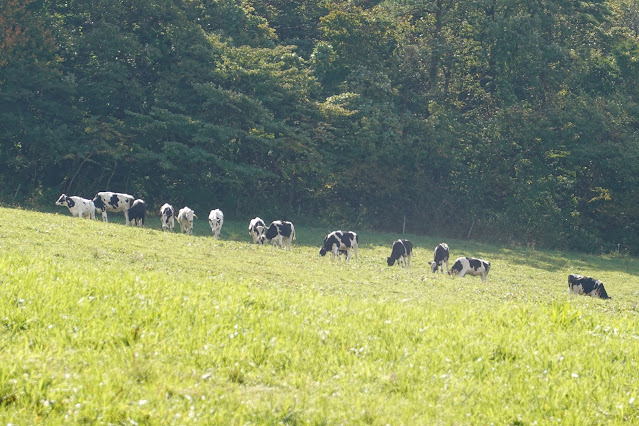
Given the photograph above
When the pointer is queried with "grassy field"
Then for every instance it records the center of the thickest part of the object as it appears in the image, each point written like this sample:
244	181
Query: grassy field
110	324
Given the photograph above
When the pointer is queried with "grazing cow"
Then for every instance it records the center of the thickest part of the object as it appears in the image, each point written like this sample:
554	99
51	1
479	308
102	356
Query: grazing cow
113	202
470	266
256	230
216	219
78	206
282	232
168	217
338	242
439	258
401	252
587	286
137	212
185	219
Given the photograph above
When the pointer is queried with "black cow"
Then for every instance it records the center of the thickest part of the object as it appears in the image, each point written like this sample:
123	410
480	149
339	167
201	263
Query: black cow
282	232
440	257
338	242
587	286
401	252
137	212
470	266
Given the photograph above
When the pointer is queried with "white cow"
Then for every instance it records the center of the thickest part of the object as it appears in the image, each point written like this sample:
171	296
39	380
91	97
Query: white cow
216	219
113	202
256	230
168	217
185	219
78	206
340	242
280	232
470	266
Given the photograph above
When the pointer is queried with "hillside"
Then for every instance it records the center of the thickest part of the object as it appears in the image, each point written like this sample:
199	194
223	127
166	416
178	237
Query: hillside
110	324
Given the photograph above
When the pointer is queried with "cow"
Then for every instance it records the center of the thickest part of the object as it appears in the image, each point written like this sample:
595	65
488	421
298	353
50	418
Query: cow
439	258
282	232
470	266
216	219
256	230
137	212
78	206
338	242
401	253
587	286
113	202
168	216
185	219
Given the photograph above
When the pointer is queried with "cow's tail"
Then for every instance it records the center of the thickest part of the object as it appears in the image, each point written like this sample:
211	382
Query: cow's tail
487	267
293	233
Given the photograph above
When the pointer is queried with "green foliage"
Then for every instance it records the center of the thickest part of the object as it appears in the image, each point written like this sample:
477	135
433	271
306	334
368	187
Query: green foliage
517	119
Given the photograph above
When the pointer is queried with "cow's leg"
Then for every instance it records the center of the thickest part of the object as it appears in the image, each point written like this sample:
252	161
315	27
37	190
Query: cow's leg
126	217
483	276
408	260
104	216
355	254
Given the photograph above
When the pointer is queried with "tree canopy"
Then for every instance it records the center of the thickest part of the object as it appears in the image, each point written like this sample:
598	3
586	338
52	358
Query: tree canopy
516	119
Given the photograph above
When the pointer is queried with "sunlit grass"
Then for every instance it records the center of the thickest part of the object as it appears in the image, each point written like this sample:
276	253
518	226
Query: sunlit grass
104	323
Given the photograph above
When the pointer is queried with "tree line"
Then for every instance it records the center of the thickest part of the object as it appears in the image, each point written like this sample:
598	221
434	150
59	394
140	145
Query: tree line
502	120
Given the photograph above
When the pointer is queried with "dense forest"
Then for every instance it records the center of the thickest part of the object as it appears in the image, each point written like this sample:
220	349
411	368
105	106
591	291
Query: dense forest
510	120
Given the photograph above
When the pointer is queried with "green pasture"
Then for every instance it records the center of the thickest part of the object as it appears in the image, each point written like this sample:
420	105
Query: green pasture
102	323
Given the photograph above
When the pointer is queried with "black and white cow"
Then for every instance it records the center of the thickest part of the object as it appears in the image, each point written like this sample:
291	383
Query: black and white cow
470	266
587	286
185	219
280	232
78	206
440	257
137	212
401	253
168	216
338	242
113	202
256	230
216	220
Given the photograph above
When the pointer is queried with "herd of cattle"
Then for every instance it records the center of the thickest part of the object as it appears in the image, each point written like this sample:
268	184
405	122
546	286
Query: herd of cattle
283	232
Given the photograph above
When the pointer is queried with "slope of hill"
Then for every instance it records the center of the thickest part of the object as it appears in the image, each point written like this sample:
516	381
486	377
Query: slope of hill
101	322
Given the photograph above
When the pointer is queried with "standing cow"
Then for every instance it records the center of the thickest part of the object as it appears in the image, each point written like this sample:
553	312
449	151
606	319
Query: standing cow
78	206
401	253
113	202
137	212
280	232
185	219
256	230
168	216
587	286
338	242
440	257
470	266
216	219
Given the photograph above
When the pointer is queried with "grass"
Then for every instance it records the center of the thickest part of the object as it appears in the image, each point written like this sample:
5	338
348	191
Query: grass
102	323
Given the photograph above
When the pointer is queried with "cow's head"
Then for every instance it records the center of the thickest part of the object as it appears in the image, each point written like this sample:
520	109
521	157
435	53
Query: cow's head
62	201
433	266
390	261
602	293
322	251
